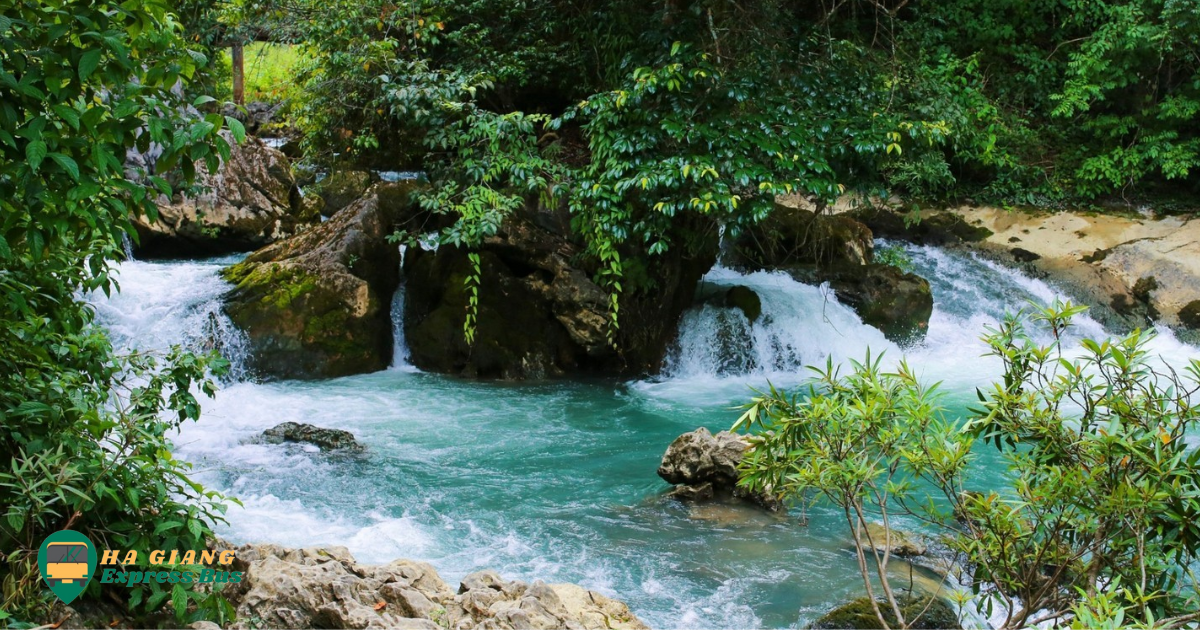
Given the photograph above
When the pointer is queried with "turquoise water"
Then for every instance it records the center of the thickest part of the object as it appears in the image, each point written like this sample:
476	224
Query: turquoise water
556	481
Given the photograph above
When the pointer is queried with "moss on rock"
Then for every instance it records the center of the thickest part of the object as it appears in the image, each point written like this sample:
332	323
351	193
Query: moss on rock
920	613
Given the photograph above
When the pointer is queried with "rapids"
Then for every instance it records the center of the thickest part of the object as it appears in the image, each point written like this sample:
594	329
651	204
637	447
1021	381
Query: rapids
556	480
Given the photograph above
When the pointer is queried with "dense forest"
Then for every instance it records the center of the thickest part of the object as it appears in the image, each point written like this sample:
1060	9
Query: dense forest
655	128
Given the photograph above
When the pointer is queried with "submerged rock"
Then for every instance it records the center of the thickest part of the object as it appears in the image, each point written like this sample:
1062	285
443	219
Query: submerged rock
318	305
919	613
897	542
540	314
745	300
327	588
326	439
251	201
703	465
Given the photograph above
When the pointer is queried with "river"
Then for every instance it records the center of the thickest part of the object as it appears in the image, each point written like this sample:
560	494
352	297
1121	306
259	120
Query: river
556	480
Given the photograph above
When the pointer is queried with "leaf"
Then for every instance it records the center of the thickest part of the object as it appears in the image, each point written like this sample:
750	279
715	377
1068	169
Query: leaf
88	63
67	163
238	129
35	152
379	606
202	99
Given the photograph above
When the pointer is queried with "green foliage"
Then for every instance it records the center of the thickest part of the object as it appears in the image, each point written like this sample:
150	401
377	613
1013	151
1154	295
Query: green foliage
1097	519
270	72
895	256
85	430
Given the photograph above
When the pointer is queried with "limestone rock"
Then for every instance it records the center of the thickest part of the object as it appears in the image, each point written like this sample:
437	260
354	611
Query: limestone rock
540	314
318	305
699	459
326	588
251	201
326	439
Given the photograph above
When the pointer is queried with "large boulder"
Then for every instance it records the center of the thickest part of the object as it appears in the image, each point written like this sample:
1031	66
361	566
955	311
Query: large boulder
318	304
896	302
251	201
790	236
327	588
540	314
704	466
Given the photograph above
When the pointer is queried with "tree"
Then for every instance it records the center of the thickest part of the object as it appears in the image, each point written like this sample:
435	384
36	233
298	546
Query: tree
1096	515
84	428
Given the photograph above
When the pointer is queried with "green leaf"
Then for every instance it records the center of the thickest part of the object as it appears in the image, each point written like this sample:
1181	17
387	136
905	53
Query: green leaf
35	152
238	129
88	63
67	163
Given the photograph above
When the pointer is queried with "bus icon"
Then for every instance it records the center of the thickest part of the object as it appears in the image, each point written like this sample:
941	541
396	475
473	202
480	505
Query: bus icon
66	562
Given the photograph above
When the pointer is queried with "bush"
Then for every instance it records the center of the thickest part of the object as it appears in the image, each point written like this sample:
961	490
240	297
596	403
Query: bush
84	429
1099	510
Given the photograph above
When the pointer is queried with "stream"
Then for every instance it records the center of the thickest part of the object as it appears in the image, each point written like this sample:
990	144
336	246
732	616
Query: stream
556	480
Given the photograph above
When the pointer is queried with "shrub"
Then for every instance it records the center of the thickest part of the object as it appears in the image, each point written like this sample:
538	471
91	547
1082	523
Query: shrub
1097	514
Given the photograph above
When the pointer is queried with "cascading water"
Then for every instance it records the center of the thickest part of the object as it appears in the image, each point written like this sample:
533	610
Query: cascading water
172	303
556	481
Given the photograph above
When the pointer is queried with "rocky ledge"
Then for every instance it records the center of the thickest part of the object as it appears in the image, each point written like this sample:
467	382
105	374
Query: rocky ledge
327	588
1132	270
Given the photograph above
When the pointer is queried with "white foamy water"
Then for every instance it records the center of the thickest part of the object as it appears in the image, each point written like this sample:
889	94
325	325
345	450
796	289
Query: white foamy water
556	481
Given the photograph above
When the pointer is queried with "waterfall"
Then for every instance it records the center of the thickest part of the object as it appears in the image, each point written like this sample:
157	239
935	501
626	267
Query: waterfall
804	325
164	304
799	325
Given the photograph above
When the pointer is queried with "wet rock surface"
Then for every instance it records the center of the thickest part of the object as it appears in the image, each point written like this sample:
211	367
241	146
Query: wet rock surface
540	313
896	302
703	466
326	439
327	588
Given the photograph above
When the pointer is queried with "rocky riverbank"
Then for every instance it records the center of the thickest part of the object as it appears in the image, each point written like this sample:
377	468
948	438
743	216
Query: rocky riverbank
1131	270
327	588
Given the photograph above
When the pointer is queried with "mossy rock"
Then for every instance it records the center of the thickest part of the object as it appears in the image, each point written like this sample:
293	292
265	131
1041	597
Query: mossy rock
919	612
1189	315
318	304
942	228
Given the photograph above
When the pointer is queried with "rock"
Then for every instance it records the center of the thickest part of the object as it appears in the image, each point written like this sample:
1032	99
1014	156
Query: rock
1096	259
540	314
897	542
919	613
1189	315
698	492
699	458
932	229
745	300
255	116
327	439
318	304
341	188
250	202
326	588
790	236
896	302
